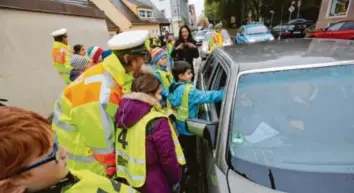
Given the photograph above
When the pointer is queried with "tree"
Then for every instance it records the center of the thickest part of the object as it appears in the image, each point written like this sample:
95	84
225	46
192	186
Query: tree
212	10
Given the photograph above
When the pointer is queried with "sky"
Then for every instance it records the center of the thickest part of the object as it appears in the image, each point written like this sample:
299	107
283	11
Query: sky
199	6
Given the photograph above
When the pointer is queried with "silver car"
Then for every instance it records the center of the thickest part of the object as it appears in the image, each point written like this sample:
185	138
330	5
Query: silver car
199	36
286	123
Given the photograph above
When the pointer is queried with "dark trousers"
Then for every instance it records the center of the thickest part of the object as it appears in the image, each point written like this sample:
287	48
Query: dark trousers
189	145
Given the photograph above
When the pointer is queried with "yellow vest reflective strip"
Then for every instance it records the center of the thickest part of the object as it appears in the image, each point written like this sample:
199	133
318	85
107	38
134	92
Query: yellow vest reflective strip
183	109
60	124
131	150
84	159
166	78
90	182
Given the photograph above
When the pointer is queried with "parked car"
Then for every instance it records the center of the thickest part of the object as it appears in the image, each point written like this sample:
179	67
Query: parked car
301	21
286	122
204	52
251	33
199	36
339	30
288	31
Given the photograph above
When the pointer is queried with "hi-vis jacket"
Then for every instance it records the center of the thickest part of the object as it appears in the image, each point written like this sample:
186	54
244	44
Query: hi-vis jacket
89	182
83	116
131	150
216	41
61	54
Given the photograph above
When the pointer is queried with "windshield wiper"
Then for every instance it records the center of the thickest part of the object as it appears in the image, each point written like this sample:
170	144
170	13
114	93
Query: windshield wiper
271	179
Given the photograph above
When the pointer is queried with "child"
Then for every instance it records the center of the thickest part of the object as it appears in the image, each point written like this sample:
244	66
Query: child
185	99
95	54
149	136
33	161
159	61
79	64
169	48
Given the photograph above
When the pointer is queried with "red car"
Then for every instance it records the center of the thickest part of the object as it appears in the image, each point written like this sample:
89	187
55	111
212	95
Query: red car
339	30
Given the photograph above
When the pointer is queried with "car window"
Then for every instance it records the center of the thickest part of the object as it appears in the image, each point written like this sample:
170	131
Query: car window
335	27
348	26
259	29
209	67
201	33
219	82
295	120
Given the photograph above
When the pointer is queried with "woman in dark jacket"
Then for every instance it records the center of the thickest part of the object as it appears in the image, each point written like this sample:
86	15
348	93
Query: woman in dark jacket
185	47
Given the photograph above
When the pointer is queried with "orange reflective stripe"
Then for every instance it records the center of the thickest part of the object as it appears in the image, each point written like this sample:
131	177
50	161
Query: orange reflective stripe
106	159
58	55
88	88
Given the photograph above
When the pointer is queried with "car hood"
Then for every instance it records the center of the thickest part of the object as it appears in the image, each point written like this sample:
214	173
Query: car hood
259	37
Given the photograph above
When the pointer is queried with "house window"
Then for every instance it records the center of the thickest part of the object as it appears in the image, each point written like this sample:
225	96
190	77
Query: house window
338	8
142	13
149	14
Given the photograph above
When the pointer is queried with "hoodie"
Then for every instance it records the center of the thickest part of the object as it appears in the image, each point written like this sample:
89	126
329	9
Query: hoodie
196	97
162	168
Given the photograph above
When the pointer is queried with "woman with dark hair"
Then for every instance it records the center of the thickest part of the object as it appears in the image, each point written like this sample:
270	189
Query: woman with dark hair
185	47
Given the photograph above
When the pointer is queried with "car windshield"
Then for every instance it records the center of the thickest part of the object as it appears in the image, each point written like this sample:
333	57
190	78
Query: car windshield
259	29
299	119
201	33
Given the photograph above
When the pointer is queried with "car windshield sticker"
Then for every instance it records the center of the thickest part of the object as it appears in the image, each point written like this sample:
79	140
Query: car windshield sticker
262	132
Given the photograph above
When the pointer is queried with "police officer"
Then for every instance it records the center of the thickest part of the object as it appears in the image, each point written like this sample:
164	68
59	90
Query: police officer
218	39
61	53
83	116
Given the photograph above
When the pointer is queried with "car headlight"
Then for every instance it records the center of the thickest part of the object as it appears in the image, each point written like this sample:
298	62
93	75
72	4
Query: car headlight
251	40
271	38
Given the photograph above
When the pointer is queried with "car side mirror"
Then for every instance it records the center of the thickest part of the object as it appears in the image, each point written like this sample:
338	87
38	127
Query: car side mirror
204	129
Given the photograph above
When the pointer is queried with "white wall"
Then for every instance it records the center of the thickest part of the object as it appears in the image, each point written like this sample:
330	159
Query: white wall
27	76
163	5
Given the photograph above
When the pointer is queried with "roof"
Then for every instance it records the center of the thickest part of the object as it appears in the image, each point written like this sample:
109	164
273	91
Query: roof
133	18
289	52
140	3
111	25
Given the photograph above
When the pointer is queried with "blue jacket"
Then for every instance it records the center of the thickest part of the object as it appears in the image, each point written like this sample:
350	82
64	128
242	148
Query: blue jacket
196	97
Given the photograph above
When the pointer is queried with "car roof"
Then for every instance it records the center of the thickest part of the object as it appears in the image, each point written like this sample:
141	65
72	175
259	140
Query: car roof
253	25
289	52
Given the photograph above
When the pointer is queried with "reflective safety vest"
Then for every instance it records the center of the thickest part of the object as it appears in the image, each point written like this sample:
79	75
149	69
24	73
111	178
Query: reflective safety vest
83	116
166	77
216	41
61	54
131	150
183	109
93	183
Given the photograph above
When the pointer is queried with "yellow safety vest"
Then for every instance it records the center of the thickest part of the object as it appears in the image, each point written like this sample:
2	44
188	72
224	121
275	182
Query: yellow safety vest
216	41
92	183
166	77
131	150
83	116
183	109
61	54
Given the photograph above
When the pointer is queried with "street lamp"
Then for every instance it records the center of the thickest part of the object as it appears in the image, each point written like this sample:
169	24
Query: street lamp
271	18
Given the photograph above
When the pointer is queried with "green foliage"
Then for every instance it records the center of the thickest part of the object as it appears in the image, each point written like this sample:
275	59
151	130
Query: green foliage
212	10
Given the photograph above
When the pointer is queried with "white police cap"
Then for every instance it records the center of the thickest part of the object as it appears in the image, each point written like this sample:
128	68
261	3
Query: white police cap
59	32
128	40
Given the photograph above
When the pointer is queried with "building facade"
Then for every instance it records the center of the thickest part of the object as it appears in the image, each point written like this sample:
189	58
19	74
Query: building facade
192	16
27	76
332	11
133	15
176	11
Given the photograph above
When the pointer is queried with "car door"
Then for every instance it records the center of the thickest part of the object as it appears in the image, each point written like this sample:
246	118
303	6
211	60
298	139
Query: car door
332	32
216	81
347	31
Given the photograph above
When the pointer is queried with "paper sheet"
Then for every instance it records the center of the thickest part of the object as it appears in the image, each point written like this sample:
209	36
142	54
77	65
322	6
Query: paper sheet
262	132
